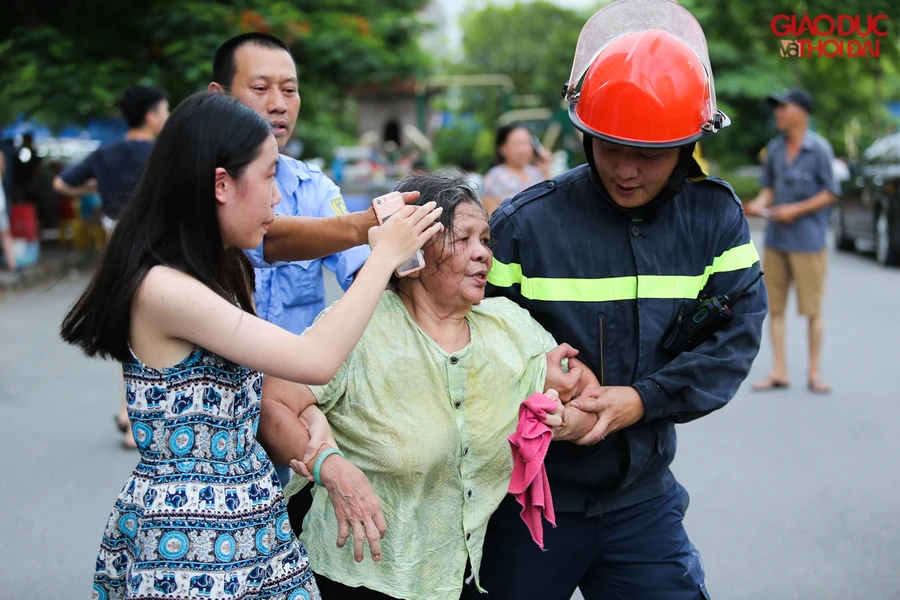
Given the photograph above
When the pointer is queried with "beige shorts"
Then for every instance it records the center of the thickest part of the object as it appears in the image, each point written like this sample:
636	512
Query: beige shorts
806	269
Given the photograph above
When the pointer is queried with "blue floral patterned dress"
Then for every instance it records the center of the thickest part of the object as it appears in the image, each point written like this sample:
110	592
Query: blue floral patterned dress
203	514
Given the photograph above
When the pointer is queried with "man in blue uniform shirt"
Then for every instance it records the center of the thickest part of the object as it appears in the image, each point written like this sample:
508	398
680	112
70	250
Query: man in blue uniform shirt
259	71
607	257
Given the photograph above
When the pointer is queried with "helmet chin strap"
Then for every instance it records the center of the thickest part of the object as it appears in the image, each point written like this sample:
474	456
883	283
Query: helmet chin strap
648	210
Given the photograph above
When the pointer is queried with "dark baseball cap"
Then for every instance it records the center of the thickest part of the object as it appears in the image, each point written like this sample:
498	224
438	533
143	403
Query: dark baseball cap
796	95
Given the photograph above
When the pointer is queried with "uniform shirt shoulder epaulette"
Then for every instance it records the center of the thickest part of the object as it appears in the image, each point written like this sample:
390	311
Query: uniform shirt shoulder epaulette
529	199
721	187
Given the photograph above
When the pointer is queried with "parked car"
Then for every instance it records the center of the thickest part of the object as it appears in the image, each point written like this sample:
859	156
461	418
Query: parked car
867	215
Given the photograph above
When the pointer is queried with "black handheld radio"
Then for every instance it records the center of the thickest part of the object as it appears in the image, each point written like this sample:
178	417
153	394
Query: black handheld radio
710	315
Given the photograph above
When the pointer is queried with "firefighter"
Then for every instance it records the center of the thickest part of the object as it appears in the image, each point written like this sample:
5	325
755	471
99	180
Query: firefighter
607	257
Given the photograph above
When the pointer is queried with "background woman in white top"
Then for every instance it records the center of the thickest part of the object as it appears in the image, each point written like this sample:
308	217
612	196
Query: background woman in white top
519	166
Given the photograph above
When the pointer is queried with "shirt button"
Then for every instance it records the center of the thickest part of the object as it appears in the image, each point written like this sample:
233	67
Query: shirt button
458	403
635	230
466	451
453	360
551	185
469	493
468	536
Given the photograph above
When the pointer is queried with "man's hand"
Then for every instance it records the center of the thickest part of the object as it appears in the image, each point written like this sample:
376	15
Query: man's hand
786	213
565	384
618	407
356	506
756	207
61	187
367	219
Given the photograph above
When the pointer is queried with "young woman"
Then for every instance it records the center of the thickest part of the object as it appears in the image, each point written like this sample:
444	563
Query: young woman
203	511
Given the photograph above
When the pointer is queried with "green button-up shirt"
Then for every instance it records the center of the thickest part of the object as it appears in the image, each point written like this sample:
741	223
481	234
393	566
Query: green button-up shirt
429	429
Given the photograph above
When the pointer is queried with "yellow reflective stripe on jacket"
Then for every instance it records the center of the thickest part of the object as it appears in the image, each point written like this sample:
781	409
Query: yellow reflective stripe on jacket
607	289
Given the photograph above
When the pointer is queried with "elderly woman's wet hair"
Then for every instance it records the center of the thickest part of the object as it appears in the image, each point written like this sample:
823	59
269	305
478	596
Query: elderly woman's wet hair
448	189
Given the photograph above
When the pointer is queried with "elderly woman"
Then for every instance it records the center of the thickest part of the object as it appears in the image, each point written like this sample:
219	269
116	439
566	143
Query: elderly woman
423	407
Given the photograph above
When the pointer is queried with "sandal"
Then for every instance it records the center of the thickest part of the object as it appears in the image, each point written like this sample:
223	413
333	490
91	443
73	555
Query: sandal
770	383
817	386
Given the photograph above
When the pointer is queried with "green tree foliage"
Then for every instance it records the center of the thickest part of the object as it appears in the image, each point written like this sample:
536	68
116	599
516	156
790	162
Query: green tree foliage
748	66
532	43
65	62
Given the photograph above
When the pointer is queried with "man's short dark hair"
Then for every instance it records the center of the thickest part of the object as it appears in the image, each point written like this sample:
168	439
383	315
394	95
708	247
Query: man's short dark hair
224	67
137	101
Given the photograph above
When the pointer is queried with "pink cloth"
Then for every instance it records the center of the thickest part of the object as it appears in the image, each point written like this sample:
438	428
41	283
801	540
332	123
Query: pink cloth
529	477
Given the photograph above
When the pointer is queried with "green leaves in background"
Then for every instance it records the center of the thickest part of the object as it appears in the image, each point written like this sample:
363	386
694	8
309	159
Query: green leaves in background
67	62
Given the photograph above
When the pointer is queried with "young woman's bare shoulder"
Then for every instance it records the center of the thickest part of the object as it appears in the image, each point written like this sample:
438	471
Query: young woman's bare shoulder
163	285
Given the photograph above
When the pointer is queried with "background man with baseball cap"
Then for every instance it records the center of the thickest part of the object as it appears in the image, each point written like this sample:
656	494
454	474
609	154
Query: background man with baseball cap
798	188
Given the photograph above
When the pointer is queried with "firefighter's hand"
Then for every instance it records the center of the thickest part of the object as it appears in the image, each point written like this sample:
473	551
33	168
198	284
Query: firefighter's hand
617	407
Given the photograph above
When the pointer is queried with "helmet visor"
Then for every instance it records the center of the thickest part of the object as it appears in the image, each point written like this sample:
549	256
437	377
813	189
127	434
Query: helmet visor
627	16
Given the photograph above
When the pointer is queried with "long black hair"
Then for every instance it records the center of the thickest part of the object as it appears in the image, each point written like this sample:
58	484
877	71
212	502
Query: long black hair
171	219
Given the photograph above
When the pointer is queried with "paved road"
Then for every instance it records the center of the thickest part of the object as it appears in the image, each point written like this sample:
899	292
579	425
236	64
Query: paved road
793	495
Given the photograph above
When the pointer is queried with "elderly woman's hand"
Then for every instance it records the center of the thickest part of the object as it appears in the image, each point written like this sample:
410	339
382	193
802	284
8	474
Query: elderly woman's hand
554	417
356	506
572	382
565	383
570	424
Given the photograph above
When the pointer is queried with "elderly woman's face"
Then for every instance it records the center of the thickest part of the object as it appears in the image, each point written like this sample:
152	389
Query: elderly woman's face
458	273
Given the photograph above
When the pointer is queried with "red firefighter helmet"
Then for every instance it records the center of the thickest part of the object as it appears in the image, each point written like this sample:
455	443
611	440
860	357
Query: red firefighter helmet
646	77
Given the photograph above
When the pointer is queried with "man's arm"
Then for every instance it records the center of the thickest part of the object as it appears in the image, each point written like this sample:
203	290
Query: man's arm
700	381
308	238
77	180
763	200
766	195
61	187
703	380
829	194
816	202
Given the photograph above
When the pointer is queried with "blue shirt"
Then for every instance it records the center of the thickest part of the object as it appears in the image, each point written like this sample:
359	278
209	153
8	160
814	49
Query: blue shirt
810	173
116	167
292	294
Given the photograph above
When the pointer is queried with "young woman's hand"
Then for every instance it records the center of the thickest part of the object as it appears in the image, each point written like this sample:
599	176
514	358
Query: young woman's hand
405	232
